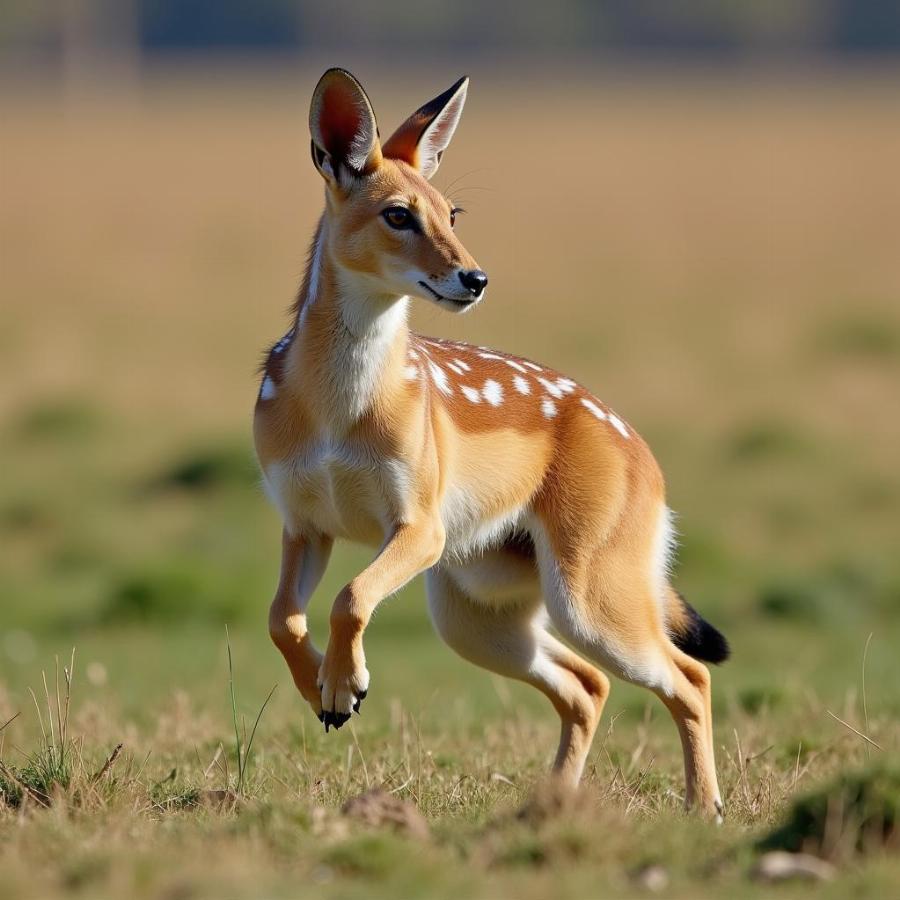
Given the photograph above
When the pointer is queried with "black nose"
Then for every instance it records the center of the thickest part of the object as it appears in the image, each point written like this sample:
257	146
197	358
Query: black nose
474	281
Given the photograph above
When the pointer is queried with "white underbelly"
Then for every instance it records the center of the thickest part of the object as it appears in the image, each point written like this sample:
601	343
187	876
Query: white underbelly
498	578
470	529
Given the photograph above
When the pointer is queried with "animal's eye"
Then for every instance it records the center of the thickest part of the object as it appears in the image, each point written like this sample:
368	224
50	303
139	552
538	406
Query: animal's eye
453	214
399	217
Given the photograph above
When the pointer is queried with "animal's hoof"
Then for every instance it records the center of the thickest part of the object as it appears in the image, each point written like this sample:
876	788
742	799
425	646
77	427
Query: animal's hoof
359	699
334	718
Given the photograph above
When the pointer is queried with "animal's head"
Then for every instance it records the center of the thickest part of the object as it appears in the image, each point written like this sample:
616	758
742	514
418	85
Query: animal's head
386	222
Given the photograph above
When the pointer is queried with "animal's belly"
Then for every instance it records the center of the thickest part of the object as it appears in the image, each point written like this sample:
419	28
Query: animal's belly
501	576
329	498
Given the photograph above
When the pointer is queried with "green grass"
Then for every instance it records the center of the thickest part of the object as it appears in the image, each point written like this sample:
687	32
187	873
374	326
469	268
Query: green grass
263	800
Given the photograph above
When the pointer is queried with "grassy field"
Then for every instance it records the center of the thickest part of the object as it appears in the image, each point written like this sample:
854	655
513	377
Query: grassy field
717	259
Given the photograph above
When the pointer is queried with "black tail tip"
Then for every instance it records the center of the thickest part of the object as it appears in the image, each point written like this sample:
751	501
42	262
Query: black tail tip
700	639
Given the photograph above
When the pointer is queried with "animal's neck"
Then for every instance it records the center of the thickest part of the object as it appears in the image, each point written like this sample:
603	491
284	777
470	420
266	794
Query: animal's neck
350	340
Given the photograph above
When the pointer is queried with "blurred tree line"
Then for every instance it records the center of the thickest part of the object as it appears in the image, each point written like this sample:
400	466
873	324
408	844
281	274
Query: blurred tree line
70	30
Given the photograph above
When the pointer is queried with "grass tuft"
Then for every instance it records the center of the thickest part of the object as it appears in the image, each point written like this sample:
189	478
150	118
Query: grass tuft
59	419
211	468
240	734
768	440
169	592
857	812
48	770
860	336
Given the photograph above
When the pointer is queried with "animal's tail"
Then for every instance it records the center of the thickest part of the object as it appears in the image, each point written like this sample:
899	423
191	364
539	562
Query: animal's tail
691	633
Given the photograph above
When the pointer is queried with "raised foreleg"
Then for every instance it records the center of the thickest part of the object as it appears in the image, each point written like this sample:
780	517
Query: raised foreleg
343	676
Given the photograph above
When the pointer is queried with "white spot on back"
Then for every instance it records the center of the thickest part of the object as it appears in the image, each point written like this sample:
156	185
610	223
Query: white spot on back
618	424
521	385
463	365
454	368
548	408
566	385
440	378
551	387
532	365
612	418
515	365
590	405
267	391
491	356
471	394
493	392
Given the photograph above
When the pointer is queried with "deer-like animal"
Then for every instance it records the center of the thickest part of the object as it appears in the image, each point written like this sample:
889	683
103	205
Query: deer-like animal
527	502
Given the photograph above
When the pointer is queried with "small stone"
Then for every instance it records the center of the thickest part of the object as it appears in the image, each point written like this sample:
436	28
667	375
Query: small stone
379	809
653	878
220	800
96	674
782	866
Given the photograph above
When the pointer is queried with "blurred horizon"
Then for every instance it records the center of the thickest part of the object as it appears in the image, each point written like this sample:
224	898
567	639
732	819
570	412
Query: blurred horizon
77	39
696	28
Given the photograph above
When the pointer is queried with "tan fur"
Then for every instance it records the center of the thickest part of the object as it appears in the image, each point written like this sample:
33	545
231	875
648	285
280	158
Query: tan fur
519	505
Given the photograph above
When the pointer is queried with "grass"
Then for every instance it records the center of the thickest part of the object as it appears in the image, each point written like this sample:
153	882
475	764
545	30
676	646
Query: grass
243	745
706	281
48	770
165	818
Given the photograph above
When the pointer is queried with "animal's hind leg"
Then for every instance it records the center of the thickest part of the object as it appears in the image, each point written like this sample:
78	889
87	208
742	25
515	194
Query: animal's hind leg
690	703
512	641
616	621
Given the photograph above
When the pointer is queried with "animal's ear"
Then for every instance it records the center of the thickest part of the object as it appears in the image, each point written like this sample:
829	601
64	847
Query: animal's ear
422	139
342	126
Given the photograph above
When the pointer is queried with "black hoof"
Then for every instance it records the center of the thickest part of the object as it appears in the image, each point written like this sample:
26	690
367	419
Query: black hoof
335	719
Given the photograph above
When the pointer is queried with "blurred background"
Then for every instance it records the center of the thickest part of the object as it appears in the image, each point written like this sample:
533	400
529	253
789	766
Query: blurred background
691	207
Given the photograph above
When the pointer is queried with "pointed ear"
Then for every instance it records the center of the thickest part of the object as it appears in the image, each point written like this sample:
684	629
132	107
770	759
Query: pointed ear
422	139
342	126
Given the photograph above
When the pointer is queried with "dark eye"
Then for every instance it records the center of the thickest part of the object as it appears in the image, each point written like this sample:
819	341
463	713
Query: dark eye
453	214
399	217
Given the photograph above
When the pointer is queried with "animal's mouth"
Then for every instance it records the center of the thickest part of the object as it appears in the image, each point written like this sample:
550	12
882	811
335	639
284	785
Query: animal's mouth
462	304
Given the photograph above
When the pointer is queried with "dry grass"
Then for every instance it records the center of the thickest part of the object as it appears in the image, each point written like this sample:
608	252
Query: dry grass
716	258
170	822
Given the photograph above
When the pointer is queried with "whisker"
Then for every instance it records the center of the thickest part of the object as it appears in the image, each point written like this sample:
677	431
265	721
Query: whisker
459	178
475	188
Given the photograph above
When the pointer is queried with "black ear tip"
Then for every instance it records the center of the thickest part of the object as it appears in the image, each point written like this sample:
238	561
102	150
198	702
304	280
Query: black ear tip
328	74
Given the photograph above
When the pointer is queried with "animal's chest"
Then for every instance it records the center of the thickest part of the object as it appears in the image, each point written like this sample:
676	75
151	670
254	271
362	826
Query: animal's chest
339	489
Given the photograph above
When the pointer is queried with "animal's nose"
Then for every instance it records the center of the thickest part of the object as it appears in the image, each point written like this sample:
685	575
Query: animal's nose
474	281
